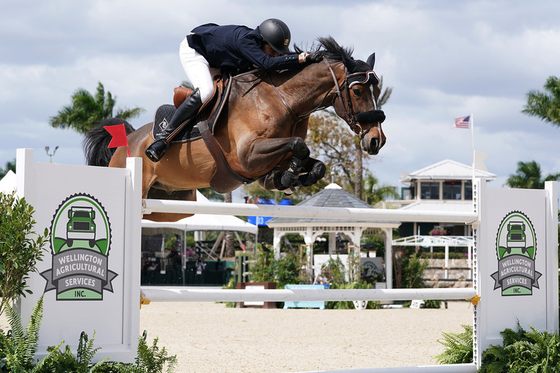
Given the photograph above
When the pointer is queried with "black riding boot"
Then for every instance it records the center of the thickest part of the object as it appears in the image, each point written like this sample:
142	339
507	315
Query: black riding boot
185	112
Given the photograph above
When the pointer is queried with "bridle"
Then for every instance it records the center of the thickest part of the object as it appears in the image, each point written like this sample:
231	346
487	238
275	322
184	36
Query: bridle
362	77
349	81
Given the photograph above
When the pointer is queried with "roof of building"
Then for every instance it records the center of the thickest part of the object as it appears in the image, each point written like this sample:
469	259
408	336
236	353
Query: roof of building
332	196
447	170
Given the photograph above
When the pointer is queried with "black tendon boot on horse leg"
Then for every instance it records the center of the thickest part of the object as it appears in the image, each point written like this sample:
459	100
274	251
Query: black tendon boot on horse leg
185	112
299	159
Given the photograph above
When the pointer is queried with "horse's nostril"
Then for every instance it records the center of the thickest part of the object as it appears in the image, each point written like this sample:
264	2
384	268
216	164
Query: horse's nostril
371	147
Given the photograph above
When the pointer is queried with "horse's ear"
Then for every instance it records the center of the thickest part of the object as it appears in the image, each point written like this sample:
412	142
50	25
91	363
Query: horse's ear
349	62
371	60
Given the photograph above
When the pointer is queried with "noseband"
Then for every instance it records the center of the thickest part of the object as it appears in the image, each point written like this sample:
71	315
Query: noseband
349	116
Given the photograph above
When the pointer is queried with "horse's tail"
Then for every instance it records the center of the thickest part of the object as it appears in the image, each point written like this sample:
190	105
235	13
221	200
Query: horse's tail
97	139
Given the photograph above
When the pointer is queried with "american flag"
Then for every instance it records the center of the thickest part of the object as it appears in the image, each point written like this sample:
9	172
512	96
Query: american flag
462	122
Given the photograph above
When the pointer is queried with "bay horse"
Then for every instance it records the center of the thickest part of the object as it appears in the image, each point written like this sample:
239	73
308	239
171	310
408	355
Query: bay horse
263	129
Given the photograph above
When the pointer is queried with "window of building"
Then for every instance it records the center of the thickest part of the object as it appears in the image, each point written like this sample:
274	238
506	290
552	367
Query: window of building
406	193
468	189
429	190
451	190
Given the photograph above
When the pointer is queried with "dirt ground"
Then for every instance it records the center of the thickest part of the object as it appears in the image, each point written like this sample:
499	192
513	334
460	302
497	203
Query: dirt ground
208	337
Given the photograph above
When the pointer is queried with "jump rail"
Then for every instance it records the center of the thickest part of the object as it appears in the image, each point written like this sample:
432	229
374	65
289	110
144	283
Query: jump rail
181	294
181	207
448	368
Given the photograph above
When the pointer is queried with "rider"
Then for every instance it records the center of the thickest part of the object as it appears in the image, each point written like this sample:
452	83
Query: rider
232	49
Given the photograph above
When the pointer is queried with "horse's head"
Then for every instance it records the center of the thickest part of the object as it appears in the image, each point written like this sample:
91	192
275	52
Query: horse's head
357	95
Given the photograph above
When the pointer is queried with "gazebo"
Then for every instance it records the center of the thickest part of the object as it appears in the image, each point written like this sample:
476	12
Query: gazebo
310	229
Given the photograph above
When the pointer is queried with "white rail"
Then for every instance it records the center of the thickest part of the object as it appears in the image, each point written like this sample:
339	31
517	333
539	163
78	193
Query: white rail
182	294
186	207
451	368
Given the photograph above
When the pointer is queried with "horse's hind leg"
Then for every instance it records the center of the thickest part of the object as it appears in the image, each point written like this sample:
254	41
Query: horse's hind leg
313	171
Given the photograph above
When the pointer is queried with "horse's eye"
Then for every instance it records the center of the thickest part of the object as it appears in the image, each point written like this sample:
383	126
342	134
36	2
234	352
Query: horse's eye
357	92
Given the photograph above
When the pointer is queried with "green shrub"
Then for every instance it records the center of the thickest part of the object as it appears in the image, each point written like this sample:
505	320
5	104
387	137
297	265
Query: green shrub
283	271
288	271
152	359
65	361
264	266
408	269
334	271
18	346
17	349
523	351
432	303
458	347
20	247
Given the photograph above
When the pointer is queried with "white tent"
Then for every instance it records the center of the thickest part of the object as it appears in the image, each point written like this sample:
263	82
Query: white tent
8	182
203	222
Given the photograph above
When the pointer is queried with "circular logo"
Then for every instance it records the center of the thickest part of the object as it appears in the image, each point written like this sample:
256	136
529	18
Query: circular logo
80	245
516	249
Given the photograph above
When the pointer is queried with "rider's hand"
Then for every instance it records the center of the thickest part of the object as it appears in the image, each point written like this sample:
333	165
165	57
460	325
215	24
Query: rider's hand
313	57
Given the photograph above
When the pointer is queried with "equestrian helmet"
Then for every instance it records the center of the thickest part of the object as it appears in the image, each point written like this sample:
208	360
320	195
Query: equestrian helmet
277	34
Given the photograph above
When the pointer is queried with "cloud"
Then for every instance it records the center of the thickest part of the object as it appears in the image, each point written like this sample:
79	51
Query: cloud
443	60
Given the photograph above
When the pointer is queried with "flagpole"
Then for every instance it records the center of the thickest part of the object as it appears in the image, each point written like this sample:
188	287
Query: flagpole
472	145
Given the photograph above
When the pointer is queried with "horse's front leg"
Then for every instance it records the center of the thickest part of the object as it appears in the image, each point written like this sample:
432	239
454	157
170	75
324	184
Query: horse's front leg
264	153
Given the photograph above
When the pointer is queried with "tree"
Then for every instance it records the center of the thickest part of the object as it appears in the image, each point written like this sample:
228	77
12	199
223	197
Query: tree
10	166
230	242
330	139
375	193
544	105
86	110
529	176
211	194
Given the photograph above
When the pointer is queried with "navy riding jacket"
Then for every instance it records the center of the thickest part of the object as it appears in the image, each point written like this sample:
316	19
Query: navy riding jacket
236	49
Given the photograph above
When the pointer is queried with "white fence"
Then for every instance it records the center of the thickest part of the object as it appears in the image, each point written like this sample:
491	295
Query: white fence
514	283
180	294
495	309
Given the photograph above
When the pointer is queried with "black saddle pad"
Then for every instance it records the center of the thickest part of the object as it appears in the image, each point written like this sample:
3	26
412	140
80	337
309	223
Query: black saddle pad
163	116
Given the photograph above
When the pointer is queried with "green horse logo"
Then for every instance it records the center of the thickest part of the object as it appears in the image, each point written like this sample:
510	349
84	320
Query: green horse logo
80	245
516	248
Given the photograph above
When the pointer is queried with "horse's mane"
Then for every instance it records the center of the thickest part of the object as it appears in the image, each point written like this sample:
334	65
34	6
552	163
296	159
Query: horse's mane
332	51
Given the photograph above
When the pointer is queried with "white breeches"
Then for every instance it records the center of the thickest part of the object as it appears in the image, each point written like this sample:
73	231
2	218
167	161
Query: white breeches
197	69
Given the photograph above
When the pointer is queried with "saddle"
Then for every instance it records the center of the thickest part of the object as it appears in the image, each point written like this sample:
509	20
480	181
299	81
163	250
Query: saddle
210	111
224	178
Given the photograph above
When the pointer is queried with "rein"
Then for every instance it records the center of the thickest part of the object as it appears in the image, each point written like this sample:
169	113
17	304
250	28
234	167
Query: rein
349	116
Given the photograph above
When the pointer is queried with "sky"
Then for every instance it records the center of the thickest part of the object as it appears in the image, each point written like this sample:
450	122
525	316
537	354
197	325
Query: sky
443	59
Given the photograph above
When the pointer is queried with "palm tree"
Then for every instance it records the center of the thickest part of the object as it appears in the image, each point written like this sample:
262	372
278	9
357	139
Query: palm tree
87	110
375	193
545	105
10	166
529	176
358	165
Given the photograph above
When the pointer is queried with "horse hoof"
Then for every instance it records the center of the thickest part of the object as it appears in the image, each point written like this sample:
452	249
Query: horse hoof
288	179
